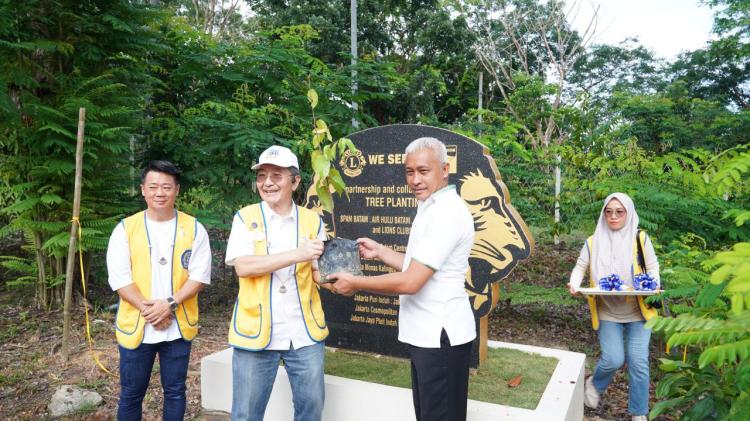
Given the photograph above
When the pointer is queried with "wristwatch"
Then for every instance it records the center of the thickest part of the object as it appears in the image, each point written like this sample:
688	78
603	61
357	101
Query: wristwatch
172	303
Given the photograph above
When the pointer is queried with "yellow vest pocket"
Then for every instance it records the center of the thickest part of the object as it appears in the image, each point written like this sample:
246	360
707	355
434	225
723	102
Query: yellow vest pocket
190	310
128	318
247	321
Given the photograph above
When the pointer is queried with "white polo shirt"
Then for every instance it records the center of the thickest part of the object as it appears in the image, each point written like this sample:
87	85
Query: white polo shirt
441	238
288	325
161	235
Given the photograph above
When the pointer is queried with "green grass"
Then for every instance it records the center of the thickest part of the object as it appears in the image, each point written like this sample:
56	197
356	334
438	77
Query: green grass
519	293
93	384
11	378
85	409
368	367
575	236
488	384
15	328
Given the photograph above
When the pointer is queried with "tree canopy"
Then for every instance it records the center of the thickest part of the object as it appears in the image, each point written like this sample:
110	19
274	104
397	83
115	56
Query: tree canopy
209	85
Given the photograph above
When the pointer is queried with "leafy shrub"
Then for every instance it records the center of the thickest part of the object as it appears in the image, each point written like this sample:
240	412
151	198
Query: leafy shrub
712	379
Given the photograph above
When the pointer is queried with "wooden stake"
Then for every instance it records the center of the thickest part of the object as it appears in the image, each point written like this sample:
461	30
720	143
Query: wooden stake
73	234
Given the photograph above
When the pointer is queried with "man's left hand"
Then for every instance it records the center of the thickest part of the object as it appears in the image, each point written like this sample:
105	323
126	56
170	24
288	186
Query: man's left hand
343	284
164	324
157	311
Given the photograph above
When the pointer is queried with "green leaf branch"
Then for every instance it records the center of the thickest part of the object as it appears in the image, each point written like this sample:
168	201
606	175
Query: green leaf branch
324	153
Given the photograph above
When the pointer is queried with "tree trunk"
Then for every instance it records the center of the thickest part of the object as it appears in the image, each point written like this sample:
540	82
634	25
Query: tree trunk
40	298
57	290
74	229
558	183
353	48
480	93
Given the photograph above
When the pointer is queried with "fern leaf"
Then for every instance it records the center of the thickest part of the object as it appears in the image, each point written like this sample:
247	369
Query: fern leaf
21	206
725	354
706	336
55	128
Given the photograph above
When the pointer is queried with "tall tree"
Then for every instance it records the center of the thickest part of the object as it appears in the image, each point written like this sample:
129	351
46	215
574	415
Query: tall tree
225	102
672	120
423	39
721	71
529	50
54	58
221	19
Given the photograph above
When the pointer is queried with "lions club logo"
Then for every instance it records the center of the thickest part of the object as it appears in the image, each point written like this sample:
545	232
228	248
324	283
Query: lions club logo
352	162
185	258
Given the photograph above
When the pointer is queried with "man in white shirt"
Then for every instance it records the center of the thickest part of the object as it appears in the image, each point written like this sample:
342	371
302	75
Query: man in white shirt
158	260
278	315
435	316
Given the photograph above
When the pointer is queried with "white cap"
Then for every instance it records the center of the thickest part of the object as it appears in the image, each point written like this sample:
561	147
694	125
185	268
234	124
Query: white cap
279	156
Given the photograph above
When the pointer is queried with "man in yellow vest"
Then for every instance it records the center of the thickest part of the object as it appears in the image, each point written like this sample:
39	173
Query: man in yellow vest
158	260
278	315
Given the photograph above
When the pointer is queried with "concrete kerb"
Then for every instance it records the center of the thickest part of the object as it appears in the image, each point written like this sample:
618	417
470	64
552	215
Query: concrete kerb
562	399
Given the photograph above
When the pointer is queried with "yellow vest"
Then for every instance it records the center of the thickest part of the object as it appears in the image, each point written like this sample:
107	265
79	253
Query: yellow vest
252	326
130	324
646	310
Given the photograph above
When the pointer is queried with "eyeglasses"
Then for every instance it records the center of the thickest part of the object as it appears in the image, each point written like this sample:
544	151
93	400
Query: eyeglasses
275	178
616	212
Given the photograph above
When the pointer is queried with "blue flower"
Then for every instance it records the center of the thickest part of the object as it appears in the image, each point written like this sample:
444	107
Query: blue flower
644	282
611	283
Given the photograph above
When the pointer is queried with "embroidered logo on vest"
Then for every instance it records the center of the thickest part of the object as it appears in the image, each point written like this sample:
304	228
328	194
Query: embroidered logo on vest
185	258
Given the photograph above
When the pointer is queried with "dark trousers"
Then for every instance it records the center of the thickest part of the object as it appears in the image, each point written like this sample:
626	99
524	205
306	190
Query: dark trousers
440	380
135	373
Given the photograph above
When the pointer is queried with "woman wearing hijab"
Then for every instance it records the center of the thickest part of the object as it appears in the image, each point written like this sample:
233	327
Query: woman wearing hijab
613	250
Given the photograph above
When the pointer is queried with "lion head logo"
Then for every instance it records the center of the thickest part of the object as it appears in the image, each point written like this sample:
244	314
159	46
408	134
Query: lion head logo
499	240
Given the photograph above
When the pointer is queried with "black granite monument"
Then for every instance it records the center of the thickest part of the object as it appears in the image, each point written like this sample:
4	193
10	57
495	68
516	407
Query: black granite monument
381	206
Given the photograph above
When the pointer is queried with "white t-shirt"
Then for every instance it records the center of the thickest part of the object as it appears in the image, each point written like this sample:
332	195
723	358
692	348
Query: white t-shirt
288	325
161	235
441	238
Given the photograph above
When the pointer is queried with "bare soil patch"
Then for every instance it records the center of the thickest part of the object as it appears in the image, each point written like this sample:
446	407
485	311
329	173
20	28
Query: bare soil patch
31	366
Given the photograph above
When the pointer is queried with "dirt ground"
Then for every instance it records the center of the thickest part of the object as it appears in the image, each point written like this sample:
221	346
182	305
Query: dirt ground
31	366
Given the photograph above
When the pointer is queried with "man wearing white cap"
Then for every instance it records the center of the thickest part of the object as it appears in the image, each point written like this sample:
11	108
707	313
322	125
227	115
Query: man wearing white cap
278	314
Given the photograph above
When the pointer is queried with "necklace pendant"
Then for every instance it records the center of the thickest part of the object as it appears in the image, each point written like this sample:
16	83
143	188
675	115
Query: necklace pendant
282	289
162	261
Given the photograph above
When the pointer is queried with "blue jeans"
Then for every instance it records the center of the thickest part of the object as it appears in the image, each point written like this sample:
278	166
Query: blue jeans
254	372
625	342
135	373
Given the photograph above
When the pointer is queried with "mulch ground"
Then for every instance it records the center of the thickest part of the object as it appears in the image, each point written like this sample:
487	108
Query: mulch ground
31	366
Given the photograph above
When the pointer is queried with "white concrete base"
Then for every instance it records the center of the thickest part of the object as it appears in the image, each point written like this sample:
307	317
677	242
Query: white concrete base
562	399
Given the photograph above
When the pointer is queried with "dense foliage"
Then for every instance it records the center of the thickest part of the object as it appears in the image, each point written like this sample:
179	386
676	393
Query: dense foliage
211	87
56	58
712	379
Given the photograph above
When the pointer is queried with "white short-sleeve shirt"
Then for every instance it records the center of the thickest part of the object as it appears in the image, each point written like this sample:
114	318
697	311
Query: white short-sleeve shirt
441	238
288	326
161	234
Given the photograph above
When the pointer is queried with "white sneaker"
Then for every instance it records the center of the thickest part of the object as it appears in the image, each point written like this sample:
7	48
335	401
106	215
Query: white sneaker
590	394
639	418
